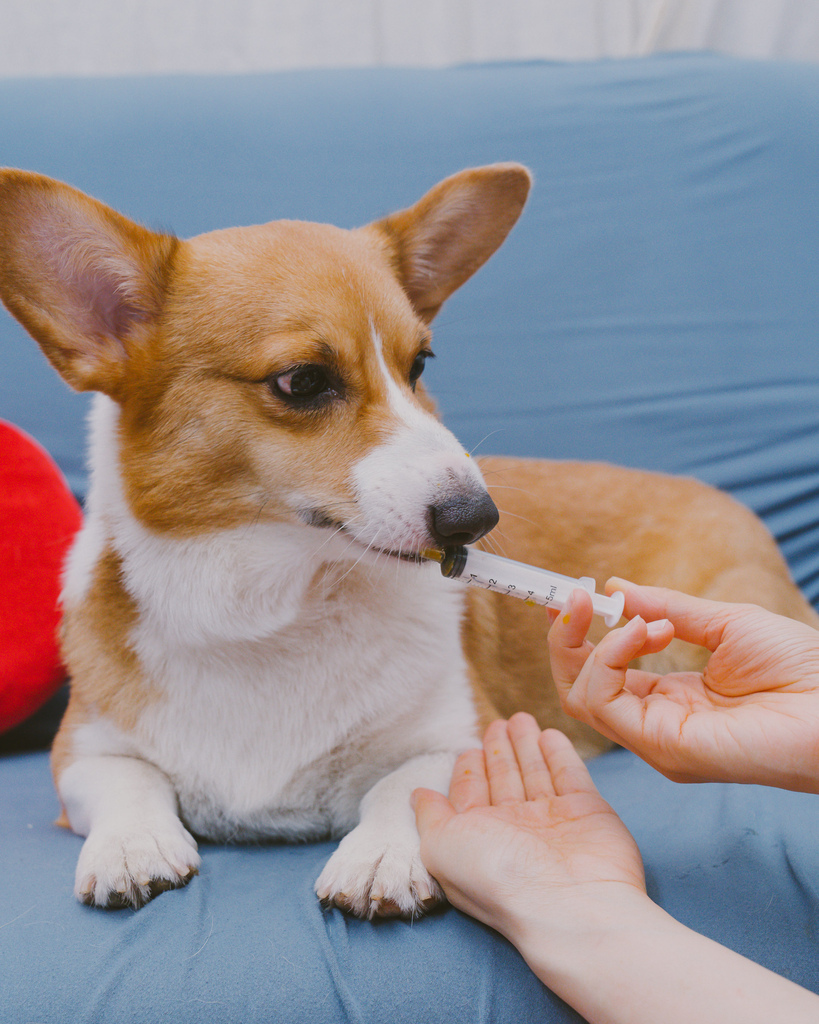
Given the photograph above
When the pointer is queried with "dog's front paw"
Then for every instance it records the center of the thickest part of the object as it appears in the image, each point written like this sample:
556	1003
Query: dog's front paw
127	868
372	876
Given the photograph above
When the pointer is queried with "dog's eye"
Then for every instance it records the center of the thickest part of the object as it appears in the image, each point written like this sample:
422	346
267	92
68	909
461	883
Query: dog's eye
305	384
417	367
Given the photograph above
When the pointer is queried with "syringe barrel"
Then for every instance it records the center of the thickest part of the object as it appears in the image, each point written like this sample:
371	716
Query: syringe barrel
527	582
462	561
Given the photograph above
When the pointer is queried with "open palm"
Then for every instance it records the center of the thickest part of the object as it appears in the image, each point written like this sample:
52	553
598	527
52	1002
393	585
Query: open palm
524	825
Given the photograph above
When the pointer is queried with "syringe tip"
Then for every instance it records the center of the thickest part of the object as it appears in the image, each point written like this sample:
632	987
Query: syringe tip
433	555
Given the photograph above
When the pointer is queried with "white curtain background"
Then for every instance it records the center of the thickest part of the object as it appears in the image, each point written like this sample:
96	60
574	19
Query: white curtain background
104	37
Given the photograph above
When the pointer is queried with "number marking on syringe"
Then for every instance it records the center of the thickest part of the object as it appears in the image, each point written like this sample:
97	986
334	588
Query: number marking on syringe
553	591
491	583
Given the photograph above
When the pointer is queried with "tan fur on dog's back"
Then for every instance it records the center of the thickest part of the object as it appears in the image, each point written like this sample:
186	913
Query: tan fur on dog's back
585	519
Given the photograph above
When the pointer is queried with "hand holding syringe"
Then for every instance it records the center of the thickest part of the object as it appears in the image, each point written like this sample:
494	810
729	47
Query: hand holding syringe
537	586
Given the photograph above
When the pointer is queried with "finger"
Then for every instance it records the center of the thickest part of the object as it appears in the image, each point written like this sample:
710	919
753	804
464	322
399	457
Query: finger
575	617
566	768
568	647
432	810
641	684
695	619
610	696
505	781
524	733
659	635
603	677
469	786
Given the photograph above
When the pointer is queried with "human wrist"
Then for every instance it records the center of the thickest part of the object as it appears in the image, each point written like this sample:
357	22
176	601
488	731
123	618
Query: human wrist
798	773
558	935
588	950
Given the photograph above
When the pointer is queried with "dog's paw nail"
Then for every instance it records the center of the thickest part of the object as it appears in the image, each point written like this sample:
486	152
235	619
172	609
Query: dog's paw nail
344	902
423	892
385	908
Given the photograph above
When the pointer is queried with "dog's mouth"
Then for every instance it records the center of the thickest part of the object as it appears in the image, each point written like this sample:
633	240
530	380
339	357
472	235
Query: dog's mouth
322	521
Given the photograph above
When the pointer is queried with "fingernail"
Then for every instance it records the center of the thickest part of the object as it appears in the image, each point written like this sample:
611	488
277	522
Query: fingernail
567	609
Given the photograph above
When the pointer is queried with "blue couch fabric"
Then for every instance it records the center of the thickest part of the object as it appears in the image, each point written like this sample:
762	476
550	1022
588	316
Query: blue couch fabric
657	306
247	941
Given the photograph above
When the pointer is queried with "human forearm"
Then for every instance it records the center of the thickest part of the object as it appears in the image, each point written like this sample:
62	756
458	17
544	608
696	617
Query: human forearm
625	961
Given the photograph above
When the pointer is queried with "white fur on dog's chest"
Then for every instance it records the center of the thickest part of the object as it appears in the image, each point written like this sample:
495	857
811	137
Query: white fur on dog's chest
282	736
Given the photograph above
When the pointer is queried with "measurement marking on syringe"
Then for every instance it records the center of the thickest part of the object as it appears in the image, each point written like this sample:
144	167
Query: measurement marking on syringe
550	589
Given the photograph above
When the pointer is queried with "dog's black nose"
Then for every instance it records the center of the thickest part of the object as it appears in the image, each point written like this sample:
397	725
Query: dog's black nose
462	518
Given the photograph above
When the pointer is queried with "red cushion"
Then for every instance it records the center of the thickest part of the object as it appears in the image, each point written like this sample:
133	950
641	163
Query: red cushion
38	520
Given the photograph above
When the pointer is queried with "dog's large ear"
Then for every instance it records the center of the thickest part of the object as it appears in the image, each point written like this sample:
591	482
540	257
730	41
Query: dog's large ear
441	241
83	280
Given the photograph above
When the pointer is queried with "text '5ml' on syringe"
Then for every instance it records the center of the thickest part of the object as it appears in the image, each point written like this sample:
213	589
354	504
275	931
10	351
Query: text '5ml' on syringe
527	582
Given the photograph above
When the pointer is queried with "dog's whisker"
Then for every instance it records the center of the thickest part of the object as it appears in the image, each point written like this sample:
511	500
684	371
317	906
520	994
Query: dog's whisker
496	542
331	565
503	470
355	564
332	534
474	448
509	487
494	545
518	516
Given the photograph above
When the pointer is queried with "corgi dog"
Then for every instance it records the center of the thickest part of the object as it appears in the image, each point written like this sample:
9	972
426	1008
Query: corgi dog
256	648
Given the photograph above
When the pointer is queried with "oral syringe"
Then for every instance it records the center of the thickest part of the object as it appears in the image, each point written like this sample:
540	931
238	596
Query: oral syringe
527	582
